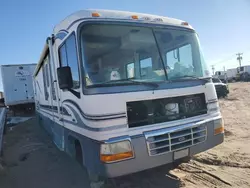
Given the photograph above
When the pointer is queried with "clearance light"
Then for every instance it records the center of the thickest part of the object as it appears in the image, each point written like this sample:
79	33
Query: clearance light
95	14
116	152
146	18
218	126
184	23
135	17
158	19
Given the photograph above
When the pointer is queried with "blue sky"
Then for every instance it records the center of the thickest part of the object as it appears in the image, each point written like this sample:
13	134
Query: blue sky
223	25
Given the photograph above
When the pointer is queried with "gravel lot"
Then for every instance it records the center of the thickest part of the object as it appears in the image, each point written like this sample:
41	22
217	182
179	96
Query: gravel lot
32	161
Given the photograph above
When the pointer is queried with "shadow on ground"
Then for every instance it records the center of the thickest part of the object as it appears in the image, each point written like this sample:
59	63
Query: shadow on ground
31	160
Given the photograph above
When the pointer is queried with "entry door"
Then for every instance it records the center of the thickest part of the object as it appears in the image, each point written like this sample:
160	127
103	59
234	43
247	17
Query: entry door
57	129
50	108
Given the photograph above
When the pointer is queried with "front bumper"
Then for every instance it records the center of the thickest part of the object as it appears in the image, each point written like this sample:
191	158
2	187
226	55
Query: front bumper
143	160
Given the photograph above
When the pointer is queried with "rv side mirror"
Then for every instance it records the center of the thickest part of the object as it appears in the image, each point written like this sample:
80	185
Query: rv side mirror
65	80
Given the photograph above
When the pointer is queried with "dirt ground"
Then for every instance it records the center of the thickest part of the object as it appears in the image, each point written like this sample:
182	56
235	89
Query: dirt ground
32	161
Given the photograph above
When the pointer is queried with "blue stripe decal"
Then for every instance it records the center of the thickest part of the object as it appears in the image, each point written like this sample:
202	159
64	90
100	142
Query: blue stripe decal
54	115
96	117
81	124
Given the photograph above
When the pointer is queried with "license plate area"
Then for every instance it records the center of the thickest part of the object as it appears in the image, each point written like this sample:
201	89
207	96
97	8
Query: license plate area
181	154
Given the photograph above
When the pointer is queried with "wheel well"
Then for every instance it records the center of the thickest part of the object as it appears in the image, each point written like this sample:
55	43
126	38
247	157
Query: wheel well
75	149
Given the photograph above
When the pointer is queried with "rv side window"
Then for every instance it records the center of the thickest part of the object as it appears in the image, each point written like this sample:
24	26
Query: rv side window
68	57
34	86
46	94
146	68
47	74
130	70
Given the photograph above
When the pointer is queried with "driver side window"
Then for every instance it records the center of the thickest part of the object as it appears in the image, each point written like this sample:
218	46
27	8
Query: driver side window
68	57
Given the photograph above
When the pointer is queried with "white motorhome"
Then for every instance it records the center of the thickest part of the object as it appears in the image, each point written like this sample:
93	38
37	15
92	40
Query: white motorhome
18	85
122	92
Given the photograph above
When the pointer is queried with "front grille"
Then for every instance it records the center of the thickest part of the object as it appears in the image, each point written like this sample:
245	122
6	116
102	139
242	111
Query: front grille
160	142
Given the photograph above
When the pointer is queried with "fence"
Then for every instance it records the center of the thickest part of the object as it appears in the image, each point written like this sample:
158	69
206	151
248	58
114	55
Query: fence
2	123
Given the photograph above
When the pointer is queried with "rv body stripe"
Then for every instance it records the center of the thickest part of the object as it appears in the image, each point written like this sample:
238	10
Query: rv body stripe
80	123
96	117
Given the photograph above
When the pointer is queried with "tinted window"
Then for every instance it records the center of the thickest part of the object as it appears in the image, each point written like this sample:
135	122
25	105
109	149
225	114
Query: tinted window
107	49
63	56
68	57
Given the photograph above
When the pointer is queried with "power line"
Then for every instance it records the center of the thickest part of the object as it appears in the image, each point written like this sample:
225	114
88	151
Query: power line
213	69
228	58
239	58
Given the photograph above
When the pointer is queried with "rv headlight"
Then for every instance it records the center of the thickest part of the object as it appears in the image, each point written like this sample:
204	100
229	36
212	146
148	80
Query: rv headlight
218	126
117	151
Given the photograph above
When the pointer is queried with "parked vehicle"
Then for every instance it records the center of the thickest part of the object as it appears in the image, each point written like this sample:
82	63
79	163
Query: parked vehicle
123	92
221	88
232	74
243	73
18	86
221	75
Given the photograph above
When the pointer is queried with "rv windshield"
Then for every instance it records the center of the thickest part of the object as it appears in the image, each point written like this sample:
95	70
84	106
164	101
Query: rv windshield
119	54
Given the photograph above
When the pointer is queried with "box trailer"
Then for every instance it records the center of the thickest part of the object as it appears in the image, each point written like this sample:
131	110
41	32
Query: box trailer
243	73
18	85
232	74
123	92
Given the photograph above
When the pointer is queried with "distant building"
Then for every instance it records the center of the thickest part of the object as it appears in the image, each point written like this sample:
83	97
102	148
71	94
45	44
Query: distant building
1	94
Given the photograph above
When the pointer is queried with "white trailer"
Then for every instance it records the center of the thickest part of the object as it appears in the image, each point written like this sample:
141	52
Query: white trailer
244	73
232	74
123	92
18	85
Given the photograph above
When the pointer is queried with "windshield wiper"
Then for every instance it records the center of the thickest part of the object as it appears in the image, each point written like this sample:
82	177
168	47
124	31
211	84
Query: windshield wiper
188	76
151	84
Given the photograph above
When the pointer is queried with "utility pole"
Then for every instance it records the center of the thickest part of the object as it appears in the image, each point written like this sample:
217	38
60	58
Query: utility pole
239	58
225	73
213	69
